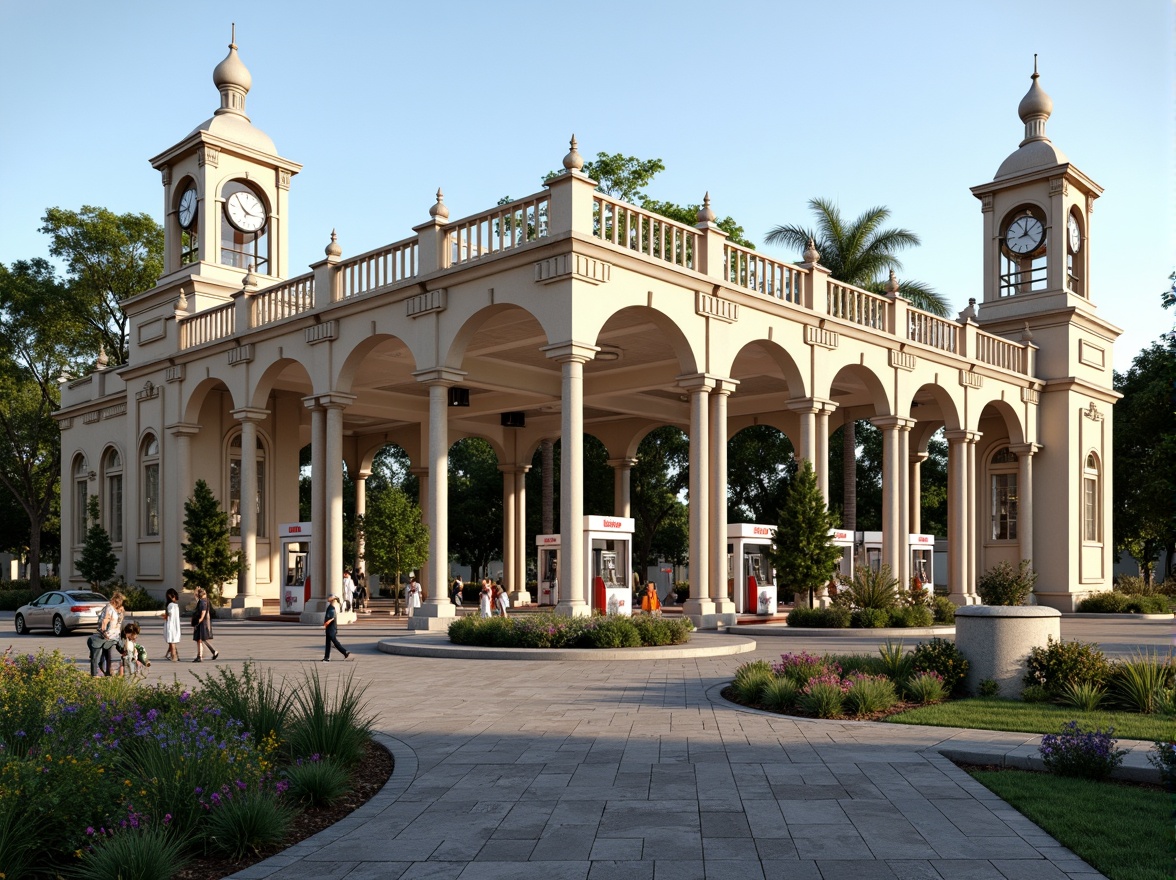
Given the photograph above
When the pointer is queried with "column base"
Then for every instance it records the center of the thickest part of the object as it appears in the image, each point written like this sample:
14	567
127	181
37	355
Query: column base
724	606
572	609
701	612
963	599
432	616
519	597
241	607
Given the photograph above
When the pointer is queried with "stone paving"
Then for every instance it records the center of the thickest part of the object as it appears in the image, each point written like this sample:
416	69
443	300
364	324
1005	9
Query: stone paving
551	770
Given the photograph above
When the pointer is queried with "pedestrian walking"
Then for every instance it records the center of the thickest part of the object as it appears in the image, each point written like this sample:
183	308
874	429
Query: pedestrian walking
102	644
202	626
455	591
171	624
361	591
331	625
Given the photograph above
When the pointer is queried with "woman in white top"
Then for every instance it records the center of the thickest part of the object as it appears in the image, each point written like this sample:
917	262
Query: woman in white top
414	595
484	598
171	624
501	602
103	642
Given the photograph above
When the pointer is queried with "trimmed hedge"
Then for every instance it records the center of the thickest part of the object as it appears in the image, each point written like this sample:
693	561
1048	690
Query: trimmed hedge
1123	603
10	600
553	631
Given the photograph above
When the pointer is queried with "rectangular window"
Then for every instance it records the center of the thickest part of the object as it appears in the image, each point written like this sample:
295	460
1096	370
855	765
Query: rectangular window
235	498
114	512
151	499
1090	509
1004	507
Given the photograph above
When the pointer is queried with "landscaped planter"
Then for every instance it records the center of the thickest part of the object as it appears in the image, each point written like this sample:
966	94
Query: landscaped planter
996	640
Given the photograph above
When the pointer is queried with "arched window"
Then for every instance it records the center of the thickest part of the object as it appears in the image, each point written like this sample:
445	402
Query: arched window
1002	470
112	472
149	456
235	487
81	498
1091	498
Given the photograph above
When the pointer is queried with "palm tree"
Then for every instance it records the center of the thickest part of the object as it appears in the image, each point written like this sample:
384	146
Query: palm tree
860	253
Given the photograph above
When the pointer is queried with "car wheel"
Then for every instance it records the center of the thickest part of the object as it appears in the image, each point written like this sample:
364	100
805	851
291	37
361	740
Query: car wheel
21	629
59	626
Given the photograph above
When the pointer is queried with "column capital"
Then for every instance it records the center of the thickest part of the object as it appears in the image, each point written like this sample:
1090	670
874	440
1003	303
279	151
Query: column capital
917	457
571	351
622	462
250	414
697	382
443	376
898	422
183	429
419	471
963	436
513	468
329	400
810	405
1024	448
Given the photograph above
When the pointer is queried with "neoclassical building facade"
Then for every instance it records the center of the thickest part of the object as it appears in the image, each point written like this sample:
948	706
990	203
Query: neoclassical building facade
569	312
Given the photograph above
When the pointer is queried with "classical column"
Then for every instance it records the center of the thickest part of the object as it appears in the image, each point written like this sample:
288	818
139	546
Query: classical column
973	530
894	469
436	611
960	504
821	465
622	481
360	510
334	405
508	528
247	598
814	436
521	595
718	497
573	574
422	475
915	495
1024	453
547	463
700	607
902	469
315	608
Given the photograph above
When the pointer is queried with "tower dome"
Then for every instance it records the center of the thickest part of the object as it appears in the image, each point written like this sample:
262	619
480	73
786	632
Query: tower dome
1035	150
233	81
232	72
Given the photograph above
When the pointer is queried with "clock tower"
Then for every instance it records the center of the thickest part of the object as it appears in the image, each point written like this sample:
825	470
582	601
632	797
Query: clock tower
226	193
1038	286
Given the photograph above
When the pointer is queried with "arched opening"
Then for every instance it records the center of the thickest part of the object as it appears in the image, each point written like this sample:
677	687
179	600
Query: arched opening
112	480
151	489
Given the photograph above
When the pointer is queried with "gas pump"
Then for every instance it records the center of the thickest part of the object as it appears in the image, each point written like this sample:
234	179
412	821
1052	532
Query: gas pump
295	550
923	561
750	569
845	540
548	549
607	542
870	545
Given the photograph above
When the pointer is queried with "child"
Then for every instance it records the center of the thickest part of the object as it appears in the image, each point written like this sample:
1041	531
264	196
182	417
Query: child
134	655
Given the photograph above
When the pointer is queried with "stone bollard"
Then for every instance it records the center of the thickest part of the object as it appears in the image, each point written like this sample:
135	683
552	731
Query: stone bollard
996	640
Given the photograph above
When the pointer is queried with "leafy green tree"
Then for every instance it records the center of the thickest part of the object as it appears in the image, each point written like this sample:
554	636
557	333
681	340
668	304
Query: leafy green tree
1145	456
396	538
802	554
211	560
38	348
860	252
758	470
671	541
108	257
597	481
97	563
656	484
475	504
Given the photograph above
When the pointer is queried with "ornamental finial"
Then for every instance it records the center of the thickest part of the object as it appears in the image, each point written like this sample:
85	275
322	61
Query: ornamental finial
811	254
573	161
439	210
705	214
892	284
333	249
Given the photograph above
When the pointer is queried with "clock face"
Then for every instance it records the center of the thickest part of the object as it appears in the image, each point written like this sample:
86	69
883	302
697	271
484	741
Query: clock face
1024	235
245	211
1075	234
187	212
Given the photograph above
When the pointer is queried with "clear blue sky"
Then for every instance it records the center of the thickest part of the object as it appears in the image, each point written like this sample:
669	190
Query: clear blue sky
764	104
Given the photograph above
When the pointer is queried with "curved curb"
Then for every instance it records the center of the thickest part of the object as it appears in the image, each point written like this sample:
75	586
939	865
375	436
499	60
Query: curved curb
775	629
1125	616
421	645
403	774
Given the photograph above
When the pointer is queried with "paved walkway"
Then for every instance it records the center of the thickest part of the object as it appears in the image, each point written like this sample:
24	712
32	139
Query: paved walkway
549	770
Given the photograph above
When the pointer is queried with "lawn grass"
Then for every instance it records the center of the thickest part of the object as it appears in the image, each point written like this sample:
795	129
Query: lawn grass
1121	830
986	713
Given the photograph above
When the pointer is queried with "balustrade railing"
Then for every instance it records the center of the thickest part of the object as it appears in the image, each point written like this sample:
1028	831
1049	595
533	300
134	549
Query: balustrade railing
928	329
751	271
646	233
379	268
999	352
857	306
286	300
208	326
499	229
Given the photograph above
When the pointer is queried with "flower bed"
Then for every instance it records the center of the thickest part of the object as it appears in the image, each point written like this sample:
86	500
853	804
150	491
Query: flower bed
554	631
105	777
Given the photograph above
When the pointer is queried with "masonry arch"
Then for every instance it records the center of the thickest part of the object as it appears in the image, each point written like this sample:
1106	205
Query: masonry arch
284	374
